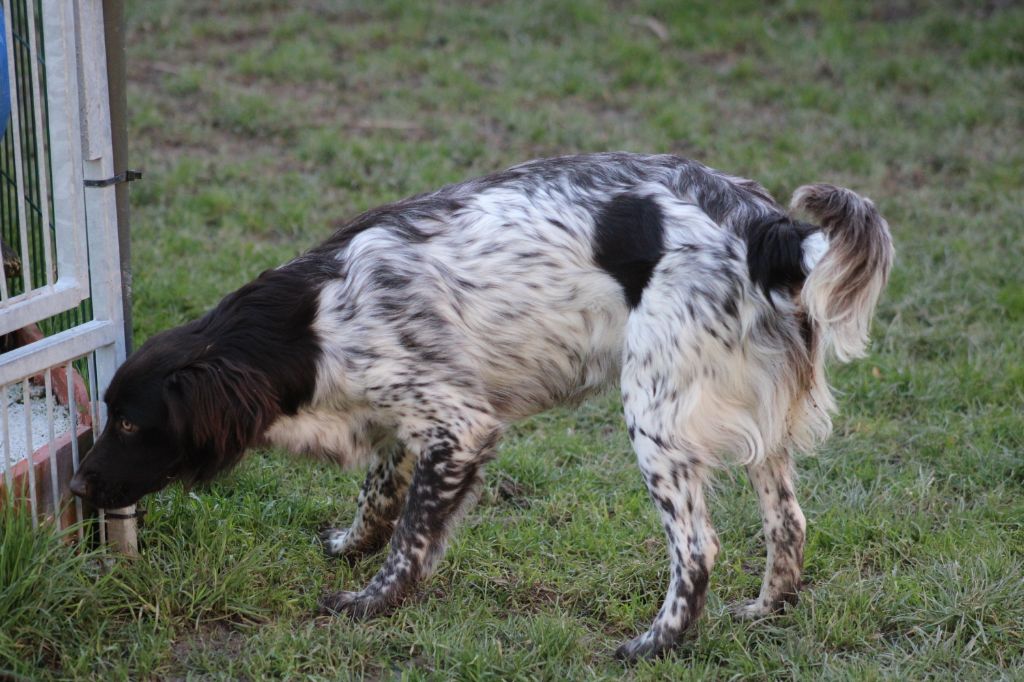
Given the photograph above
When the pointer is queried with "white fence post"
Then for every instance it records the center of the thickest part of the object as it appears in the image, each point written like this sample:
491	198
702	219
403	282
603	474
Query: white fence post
101	212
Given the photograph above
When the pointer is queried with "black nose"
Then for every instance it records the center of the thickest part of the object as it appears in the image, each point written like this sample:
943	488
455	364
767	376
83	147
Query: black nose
79	485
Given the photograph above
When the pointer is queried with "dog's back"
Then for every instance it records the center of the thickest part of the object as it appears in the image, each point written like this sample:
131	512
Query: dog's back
520	283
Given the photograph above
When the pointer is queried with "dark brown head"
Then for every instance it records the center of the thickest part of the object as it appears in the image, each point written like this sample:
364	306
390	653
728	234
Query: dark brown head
178	409
189	403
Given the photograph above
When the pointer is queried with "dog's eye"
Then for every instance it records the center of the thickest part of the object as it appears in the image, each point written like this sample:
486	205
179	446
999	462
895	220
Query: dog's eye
126	426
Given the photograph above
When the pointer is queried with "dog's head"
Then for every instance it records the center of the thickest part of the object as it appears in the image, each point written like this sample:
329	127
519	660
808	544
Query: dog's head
180	408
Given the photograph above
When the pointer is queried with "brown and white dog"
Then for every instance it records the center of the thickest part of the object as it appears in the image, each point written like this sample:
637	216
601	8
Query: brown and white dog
411	337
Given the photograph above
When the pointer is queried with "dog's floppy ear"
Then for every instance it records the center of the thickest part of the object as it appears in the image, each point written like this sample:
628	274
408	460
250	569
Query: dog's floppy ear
218	408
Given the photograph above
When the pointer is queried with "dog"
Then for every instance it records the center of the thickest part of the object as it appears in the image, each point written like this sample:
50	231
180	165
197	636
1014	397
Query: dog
409	339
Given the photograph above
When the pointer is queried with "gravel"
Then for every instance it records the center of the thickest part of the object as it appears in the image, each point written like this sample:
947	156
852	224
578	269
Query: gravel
16	423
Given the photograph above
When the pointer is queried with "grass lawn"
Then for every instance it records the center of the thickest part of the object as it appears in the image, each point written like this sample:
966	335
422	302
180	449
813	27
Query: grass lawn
260	127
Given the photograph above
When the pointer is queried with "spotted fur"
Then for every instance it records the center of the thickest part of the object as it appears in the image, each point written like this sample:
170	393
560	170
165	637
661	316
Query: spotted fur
409	339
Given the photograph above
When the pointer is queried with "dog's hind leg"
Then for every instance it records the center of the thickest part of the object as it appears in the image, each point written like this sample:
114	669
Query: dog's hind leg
677	488
380	504
681	357
446	482
675	472
784	531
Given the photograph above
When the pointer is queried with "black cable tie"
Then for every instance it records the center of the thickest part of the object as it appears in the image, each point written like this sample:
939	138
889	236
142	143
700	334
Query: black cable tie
127	176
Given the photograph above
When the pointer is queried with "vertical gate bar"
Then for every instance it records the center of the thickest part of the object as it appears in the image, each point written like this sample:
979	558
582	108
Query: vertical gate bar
4	293
27	400
51	451
114	34
100	202
27	146
96	424
10	198
65	120
9	211
3	280
19	172
73	418
44	199
8	474
93	394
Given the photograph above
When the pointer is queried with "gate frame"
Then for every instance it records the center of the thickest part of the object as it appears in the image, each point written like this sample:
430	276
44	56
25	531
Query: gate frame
85	219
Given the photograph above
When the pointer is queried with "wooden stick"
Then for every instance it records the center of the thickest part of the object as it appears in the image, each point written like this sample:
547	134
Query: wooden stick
122	533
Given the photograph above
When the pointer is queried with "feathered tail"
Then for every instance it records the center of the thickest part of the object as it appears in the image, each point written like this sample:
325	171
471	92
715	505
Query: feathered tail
843	287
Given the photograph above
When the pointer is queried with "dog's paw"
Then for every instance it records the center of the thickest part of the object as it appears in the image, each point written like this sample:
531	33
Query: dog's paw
340	543
755	609
751	609
334	541
648	645
355	605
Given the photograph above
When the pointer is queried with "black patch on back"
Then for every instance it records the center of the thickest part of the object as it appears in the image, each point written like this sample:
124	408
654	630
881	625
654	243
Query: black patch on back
629	242
775	252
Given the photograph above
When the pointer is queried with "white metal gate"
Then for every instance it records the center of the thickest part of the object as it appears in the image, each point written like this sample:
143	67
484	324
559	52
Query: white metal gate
62	315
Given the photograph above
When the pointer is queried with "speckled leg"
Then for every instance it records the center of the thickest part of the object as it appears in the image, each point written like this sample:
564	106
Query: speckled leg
380	503
446	482
677	488
784	531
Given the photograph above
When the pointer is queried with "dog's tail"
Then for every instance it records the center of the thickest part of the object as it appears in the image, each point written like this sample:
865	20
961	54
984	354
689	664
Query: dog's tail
844	284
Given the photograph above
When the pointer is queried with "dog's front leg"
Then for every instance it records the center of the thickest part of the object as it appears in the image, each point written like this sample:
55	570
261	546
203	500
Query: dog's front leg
380	502
446	481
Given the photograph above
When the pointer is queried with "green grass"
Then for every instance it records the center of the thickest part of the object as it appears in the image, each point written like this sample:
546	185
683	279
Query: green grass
261	127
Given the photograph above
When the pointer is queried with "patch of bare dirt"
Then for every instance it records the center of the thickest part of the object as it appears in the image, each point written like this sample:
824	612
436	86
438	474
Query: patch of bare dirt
220	638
